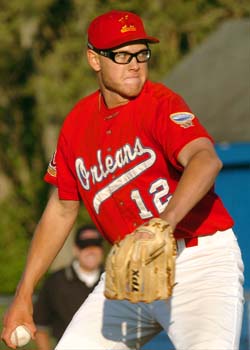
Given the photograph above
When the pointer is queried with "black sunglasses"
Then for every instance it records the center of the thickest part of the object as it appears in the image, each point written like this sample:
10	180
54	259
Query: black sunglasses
124	57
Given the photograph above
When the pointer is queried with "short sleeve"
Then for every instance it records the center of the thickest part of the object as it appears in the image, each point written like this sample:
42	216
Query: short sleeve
176	126
60	172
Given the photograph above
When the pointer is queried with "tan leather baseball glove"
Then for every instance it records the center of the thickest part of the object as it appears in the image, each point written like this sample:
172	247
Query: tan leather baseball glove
142	269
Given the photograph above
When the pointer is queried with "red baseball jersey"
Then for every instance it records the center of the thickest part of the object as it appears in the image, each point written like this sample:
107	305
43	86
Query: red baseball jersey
122	162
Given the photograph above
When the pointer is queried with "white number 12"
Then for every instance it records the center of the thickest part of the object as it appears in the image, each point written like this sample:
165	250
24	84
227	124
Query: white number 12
160	192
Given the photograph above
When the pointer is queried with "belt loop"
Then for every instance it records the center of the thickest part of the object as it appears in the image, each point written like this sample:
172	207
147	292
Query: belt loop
180	244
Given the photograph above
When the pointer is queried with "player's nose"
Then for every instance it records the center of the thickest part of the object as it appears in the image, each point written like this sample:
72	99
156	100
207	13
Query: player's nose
134	64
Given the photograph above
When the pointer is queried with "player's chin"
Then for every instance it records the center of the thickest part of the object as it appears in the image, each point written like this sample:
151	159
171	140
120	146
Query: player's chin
132	90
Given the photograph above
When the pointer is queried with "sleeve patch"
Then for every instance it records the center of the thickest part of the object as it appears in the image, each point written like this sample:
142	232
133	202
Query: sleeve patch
183	119
52	165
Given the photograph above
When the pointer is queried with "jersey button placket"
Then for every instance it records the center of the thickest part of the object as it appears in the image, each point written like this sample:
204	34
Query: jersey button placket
109	148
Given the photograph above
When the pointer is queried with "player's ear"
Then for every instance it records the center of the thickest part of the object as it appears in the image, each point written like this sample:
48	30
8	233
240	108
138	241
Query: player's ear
93	59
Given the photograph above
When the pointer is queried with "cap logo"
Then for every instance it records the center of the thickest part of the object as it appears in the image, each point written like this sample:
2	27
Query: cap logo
125	27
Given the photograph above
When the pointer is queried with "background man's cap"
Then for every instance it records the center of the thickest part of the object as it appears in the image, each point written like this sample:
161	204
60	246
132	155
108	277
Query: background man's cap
116	28
87	236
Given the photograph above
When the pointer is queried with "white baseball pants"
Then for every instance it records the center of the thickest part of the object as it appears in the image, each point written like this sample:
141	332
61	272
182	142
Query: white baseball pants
204	312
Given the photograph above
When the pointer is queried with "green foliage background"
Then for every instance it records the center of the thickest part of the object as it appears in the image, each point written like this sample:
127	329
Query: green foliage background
44	73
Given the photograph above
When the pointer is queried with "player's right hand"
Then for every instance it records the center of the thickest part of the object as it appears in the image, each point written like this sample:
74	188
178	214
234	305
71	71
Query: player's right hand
19	313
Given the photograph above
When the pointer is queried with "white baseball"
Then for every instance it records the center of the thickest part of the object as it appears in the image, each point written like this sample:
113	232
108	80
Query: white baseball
20	336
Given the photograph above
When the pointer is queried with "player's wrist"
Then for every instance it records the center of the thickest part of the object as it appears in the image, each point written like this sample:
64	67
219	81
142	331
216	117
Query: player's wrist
169	218
24	293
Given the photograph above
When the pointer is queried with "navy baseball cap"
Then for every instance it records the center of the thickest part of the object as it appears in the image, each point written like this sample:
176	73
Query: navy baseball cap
88	236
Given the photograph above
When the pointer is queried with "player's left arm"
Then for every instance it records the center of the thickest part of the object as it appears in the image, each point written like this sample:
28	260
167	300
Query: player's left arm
201	167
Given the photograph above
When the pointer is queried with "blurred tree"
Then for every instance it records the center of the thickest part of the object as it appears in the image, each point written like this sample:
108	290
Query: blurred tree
44	72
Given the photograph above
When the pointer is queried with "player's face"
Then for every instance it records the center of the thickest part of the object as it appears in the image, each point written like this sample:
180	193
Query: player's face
121	82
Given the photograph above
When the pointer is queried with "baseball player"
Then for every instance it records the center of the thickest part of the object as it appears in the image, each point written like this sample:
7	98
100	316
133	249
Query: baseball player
134	152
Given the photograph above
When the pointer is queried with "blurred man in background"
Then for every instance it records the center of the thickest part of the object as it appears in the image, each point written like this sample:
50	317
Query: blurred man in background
65	290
